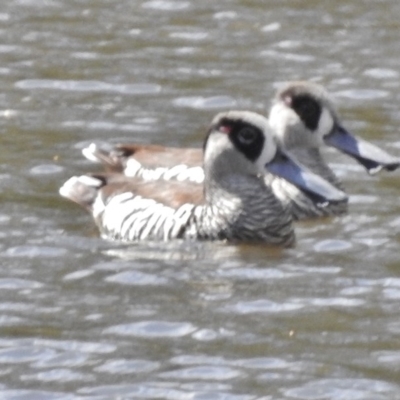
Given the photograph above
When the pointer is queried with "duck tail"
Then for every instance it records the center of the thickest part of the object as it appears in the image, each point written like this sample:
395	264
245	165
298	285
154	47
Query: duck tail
104	154
82	190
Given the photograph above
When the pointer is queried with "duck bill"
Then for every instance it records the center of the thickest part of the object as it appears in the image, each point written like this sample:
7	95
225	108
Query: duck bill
317	188
370	156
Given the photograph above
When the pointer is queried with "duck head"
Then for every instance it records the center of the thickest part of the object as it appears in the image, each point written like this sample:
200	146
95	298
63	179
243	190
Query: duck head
303	116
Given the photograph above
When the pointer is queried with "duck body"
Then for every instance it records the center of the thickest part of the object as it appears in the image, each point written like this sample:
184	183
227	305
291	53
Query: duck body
126	209
233	203
149	162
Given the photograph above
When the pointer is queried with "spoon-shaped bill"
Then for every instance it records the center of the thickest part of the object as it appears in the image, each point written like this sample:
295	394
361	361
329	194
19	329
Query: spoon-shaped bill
316	187
370	156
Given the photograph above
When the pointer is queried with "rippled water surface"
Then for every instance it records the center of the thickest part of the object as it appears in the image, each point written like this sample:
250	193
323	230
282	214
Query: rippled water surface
84	318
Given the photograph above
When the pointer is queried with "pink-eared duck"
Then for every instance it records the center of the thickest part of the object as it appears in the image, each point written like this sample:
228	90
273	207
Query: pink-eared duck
233	203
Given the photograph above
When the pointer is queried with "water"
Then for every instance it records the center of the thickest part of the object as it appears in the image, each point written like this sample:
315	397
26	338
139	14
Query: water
83	318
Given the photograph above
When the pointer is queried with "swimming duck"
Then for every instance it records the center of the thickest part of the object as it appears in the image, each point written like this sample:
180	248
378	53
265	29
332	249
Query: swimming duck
303	119
233	203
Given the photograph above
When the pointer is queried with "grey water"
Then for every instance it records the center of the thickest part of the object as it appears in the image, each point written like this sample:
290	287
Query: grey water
85	318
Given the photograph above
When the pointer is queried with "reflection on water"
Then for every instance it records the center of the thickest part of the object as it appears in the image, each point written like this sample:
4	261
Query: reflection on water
82	317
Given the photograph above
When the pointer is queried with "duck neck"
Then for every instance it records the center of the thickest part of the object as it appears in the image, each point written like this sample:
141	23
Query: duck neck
313	160
241	207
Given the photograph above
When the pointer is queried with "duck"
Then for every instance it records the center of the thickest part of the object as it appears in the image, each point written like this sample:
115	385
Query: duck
304	120
232	203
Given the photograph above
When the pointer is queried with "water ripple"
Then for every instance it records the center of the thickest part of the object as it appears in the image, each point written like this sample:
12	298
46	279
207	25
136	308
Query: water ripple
65	359
263	363
35	395
344	388
77	275
274	26
279	55
165	5
332	245
226	15
263	306
191	36
205	103
390	359
15	283
75	346
381	73
128	366
27	251
217	373
331	302
153	329
6	320
46	169
136	278
136	391
88	86
24	354
362	94
58	375
255	273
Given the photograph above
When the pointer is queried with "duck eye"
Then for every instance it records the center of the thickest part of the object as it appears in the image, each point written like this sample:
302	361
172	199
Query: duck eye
308	110
247	136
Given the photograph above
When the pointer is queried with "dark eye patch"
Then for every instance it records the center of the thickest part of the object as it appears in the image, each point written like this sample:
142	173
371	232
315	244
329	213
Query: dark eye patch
248	139
308	109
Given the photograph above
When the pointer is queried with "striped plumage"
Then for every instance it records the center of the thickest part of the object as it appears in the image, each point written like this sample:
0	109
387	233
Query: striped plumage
303	119
149	162
233	203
